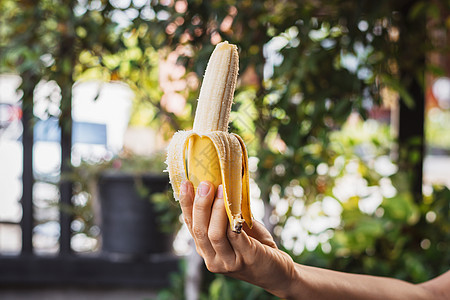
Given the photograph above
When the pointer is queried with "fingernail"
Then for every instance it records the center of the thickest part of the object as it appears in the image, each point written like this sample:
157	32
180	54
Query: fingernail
183	187
220	192
203	189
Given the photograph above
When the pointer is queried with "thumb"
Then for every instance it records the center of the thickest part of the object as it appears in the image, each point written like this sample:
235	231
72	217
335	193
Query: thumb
260	233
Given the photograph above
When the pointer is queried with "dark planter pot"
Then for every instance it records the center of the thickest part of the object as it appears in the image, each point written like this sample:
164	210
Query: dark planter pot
128	221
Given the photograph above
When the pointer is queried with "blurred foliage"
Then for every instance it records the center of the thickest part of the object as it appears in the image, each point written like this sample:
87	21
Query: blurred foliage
403	240
437	127
305	67
393	236
400	240
43	40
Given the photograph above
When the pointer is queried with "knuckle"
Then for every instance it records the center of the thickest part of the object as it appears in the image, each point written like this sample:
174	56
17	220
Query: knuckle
232	236
215	267
185	207
230	268
201	203
218	203
199	233
223	267
215	237
185	201
238	265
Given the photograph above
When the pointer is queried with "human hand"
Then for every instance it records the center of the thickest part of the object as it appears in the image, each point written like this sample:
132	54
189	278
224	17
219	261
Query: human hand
251	255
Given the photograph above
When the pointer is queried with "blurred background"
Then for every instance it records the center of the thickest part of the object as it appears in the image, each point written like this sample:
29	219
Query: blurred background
344	107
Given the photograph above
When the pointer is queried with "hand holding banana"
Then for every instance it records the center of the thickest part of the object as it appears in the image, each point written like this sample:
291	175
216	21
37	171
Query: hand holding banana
251	256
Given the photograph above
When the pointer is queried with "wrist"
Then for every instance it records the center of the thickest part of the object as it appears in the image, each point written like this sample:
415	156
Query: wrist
294	290
285	285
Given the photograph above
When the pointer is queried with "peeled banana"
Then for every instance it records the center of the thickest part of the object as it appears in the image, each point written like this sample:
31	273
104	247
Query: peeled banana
208	152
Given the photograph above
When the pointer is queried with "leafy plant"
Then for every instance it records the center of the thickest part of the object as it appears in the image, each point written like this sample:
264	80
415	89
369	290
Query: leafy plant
393	236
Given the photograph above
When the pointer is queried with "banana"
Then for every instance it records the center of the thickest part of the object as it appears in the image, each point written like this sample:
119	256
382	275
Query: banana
208	152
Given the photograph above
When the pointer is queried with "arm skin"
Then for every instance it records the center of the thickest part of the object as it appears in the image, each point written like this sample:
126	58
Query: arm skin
254	257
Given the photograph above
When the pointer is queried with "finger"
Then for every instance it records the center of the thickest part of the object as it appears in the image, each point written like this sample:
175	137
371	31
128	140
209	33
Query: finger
242	246
201	215
260	233
186	202
217	231
238	241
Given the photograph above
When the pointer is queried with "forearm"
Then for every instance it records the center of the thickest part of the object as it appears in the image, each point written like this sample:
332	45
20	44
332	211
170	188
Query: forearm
316	283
